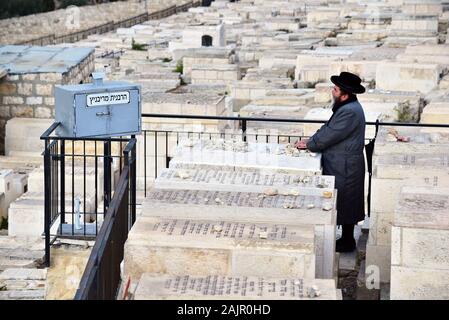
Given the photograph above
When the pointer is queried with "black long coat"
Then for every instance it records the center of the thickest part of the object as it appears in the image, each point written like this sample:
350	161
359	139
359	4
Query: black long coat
341	141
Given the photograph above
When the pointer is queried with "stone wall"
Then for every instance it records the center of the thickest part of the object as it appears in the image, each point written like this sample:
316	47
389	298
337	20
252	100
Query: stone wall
42	28
30	95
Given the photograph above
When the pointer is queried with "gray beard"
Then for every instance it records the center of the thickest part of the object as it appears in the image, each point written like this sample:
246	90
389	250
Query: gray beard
336	103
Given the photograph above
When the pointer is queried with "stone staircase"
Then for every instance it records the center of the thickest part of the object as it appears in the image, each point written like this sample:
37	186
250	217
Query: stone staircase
21	273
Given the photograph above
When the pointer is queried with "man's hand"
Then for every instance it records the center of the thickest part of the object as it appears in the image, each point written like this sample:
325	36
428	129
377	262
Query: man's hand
301	144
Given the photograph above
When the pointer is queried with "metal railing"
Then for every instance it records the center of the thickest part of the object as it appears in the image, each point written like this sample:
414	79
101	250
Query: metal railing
171	138
80	176
101	278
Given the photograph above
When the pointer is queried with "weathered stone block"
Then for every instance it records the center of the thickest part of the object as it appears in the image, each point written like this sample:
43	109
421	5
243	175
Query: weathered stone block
22	134
257	157
12	100
23	274
5	112
51	77
418	203
44	89
420	142
380	228
221	180
36	180
29	76
21	111
43	112
379	258
7	88
420	248
34	100
180	247
25	89
407	77
49	101
408	283
391	172
26	215
228	206
155	287
435	112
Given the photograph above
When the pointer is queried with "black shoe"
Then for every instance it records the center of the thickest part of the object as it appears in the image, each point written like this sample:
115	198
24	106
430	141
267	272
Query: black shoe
343	245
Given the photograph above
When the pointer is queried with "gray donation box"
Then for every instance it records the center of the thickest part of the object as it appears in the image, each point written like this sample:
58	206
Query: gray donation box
98	109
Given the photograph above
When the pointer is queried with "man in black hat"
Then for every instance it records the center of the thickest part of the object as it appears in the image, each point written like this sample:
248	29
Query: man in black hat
341	141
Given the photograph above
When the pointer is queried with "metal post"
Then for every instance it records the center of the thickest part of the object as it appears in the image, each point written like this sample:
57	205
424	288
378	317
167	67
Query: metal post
133	181
369	160
107	175
244	130
47	188
62	208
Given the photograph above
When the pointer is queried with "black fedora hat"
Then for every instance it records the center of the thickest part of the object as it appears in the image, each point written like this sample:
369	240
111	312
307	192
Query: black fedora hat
349	82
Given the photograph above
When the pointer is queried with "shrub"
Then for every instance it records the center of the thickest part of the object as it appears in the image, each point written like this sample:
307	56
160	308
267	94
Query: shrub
17	8
137	46
179	67
404	112
3	223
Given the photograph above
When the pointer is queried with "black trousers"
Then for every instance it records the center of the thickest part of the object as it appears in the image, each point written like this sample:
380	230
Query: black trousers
347	232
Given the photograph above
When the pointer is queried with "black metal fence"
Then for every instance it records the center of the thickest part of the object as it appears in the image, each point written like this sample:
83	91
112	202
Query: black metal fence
80	178
159	157
101	278
157	145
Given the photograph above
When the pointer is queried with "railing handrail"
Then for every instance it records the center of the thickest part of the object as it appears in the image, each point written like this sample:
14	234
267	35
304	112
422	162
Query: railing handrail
201	117
49	131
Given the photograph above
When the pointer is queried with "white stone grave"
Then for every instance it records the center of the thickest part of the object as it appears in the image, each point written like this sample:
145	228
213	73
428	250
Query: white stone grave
155	287
206	247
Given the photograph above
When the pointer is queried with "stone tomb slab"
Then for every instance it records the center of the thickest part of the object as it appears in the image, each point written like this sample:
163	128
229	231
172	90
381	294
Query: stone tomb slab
391	172
423	207
420	141
26	214
253	207
152	287
239	156
205	247
420	242
240	181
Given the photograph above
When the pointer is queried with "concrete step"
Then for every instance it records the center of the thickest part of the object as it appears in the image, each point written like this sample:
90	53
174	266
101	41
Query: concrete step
14	285
23	274
20	251
21	254
6	263
23	284
22	295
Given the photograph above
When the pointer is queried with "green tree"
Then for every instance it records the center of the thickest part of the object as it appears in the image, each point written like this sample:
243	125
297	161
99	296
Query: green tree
79	3
15	8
